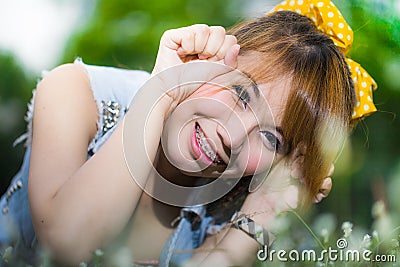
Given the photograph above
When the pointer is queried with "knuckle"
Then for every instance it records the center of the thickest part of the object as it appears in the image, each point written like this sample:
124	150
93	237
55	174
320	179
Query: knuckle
231	38
202	27
203	30
167	33
218	29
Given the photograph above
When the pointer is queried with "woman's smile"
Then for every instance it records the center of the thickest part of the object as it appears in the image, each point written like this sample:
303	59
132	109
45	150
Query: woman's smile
204	148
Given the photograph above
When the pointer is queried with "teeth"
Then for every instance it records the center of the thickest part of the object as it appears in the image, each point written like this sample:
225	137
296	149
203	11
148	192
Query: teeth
205	146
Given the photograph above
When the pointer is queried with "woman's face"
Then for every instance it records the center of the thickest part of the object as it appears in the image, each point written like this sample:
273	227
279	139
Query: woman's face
230	126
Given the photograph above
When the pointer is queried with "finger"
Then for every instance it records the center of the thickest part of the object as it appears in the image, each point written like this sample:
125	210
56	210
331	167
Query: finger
229	41
171	39
186	42
300	150
214	42
232	55
193	39
324	190
202	33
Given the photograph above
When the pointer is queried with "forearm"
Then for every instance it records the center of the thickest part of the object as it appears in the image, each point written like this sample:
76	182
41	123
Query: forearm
79	209
230	248
89	208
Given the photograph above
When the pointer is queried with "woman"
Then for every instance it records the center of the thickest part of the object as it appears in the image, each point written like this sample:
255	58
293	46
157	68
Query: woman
82	158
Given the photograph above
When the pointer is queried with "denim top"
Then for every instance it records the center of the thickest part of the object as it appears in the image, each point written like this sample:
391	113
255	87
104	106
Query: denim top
113	90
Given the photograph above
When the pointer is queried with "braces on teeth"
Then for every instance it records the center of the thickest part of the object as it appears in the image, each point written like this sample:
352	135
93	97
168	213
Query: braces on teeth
205	146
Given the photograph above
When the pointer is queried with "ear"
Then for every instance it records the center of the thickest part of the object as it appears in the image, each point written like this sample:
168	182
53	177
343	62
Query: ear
324	190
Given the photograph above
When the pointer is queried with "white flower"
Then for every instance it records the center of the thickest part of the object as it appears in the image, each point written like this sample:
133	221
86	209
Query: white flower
378	209
98	253
325	235
347	228
375	234
366	243
7	255
122	258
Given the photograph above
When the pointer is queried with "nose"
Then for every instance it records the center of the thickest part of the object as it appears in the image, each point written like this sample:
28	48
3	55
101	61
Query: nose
235	131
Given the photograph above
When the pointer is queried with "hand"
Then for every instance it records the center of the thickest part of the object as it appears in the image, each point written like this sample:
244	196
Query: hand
326	186
284	188
196	42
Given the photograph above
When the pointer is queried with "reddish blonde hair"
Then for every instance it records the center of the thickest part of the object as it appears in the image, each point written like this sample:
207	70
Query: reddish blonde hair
318	112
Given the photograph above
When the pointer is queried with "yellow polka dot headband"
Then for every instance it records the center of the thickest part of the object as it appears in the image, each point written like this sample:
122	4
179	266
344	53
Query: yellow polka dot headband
330	21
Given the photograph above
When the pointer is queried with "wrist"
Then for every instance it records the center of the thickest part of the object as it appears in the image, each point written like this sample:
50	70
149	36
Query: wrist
246	224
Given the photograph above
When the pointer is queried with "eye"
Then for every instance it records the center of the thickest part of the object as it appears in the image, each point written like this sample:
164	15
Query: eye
271	140
242	94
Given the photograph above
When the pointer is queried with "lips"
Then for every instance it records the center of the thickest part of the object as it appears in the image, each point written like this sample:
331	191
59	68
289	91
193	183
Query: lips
202	147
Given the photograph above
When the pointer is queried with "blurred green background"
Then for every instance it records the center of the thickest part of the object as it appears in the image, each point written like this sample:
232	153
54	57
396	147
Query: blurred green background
125	33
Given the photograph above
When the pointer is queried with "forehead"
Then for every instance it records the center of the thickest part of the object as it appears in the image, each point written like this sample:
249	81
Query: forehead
274	91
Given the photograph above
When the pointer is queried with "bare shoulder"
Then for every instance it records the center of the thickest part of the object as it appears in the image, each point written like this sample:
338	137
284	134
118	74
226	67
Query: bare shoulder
65	79
64	96
64	122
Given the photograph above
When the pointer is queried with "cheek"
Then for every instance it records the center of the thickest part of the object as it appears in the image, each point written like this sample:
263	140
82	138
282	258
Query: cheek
252	164
259	161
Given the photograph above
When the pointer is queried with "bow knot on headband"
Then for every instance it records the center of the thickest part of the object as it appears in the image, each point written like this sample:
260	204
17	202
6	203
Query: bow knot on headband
330	21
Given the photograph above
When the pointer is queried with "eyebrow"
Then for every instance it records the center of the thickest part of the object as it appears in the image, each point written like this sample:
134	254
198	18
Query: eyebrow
256	90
